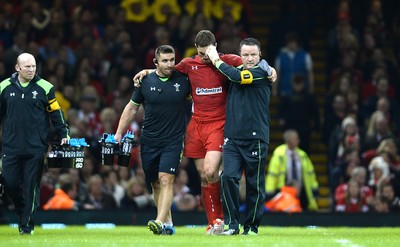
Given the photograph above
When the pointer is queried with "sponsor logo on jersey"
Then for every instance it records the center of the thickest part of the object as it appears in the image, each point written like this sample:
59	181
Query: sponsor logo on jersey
207	91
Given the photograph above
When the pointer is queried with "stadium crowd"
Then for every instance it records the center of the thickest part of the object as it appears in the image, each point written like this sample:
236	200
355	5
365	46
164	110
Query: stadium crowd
90	50
361	118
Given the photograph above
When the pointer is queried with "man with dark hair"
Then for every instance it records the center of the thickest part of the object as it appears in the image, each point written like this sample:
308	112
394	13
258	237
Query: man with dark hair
164	96
28	105
205	133
246	134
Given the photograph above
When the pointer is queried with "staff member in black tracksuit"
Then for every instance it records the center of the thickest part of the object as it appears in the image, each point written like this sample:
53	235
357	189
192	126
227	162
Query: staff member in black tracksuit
28	104
246	135
164	97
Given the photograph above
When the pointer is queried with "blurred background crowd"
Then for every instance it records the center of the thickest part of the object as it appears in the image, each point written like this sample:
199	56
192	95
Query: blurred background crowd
91	49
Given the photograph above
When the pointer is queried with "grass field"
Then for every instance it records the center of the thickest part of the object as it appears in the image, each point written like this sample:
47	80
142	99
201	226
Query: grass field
194	236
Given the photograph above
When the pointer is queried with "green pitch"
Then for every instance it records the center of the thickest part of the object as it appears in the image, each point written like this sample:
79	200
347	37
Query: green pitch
77	236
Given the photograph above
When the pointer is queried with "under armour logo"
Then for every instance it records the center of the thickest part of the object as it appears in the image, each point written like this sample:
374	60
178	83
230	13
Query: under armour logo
254	153
176	85
152	88
12	94
34	94
194	68
172	169
225	140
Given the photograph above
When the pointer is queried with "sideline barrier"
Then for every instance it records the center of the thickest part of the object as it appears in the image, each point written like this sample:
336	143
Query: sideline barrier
120	217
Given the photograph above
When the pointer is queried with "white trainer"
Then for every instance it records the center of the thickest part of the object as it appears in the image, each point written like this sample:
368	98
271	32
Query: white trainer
218	226
230	232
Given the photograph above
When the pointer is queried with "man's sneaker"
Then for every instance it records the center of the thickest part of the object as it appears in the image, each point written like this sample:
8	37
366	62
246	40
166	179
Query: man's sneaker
218	226
230	232
169	230
155	226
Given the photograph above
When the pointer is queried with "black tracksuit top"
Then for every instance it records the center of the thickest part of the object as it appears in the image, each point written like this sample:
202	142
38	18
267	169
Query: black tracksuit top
25	116
247	107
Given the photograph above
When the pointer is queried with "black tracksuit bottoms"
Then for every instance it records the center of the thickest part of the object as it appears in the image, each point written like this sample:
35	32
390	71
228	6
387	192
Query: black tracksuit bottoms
248	156
22	175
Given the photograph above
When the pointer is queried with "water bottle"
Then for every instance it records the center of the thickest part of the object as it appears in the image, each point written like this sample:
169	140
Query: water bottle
127	144
108	144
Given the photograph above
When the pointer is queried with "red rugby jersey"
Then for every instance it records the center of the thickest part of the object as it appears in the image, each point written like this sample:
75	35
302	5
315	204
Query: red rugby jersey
208	85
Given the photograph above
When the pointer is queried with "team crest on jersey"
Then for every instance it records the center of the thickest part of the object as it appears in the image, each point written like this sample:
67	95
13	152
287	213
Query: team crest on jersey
34	94
207	91
176	85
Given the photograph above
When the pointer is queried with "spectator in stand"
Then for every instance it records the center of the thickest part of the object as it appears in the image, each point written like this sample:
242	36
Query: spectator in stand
388	149
81	187
288	163
299	111
379	173
183	200
341	170
390	110
394	201
347	68
347	136
108	120
136	196
40	20
293	60
124	69
99	66
123	91
334	118
353	105
111	184
161	37
65	195
377	129
335	35
124	174
87	171
380	57
54	47
97	197
370	86
353	201
382	90
89	114
358	174
368	44
19	45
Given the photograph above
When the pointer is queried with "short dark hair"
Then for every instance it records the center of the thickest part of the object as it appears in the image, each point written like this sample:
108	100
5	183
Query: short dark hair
164	49
250	41
204	38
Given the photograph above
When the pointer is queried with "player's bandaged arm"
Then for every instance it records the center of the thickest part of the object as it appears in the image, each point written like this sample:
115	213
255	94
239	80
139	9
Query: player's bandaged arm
236	75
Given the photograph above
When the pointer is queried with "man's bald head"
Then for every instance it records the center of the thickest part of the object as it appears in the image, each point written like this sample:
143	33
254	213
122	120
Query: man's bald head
25	57
26	67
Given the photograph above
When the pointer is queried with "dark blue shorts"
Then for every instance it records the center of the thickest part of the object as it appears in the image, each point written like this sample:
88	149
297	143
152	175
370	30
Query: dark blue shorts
156	159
